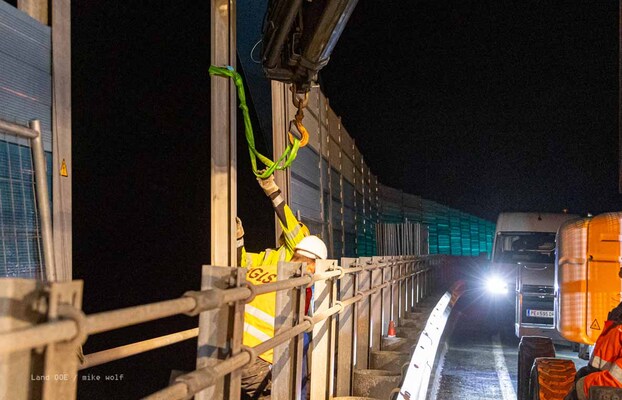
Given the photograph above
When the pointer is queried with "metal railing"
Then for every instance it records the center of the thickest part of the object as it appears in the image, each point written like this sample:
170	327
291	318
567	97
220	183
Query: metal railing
353	304
33	134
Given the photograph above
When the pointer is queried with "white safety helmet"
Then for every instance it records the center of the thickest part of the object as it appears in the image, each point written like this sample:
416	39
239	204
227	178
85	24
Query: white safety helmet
312	247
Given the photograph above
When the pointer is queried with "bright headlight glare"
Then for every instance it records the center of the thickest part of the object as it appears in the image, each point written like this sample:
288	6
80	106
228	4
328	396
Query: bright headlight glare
496	285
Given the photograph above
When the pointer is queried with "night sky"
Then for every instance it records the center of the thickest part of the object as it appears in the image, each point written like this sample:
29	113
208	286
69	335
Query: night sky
486	106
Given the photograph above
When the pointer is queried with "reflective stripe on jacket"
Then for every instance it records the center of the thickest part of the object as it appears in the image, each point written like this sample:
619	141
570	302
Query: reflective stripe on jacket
259	314
607	356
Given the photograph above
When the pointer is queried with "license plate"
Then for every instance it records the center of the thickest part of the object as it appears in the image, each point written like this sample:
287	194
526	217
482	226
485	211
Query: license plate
540	313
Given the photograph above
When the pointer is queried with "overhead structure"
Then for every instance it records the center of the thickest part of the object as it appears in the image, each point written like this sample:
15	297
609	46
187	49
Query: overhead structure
299	38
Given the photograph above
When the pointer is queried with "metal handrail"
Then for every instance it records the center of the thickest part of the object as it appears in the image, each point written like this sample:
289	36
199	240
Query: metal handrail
33	133
51	332
192	303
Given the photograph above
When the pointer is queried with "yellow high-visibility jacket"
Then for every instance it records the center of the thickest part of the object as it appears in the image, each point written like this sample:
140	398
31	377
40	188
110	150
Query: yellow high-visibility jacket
259	314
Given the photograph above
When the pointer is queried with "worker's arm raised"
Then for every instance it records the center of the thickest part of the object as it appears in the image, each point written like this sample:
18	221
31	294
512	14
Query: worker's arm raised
274	193
292	230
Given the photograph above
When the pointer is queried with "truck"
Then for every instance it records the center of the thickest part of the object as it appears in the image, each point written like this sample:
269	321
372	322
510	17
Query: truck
523	259
587	286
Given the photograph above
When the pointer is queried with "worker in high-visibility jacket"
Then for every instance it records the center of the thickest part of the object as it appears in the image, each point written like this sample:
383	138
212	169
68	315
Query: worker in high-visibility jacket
296	245
605	366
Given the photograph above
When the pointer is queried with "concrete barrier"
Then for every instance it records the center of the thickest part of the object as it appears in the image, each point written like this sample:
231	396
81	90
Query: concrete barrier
389	360
374	383
415	384
353	398
409	332
413	321
396	344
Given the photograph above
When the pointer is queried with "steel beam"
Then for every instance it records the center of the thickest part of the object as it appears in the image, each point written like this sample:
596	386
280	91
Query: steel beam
386	297
363	283
375	306
220	332
223	136
321	373
287	357
345	333
61	142
280	120
43	202
16	299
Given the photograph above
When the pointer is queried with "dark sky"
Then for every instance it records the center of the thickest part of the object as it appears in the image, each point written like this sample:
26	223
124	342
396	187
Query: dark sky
486	106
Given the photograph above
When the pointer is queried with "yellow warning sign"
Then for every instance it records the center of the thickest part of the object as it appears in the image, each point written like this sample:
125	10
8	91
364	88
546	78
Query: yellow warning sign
63	168
595	325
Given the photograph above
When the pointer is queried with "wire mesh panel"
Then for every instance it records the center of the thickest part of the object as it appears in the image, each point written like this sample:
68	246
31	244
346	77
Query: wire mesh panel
20	234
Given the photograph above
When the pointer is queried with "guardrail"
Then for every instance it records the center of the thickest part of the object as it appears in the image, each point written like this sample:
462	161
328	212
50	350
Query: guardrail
32	132
353	304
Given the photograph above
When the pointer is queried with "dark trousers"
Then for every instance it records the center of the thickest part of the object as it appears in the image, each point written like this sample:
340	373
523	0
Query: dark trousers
257	381
257	378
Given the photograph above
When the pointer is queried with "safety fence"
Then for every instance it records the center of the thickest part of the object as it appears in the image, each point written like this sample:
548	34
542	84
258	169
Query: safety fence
354	305
25	235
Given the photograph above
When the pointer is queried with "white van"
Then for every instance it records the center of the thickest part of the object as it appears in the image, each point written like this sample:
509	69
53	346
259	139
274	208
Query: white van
523	257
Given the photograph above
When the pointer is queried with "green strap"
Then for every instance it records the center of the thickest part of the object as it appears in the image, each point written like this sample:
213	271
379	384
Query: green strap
288	156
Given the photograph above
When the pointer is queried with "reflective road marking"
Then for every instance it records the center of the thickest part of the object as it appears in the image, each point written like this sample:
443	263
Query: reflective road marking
507	389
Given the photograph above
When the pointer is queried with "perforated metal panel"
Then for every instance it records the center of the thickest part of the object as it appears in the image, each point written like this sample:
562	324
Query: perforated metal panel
20	236
25	72
25	94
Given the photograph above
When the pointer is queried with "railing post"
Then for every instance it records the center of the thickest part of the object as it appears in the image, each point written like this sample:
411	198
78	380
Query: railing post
411	280
375	329
61	359
345	333
395	289
221	333
363	283
424	278
322	354
403	286
15	368
287	358
386	296
407	285
419	278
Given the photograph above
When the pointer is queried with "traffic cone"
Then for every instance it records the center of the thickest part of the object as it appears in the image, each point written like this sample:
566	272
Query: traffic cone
391	332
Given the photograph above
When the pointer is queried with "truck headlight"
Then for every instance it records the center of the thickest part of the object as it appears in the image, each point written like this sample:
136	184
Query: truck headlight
496	285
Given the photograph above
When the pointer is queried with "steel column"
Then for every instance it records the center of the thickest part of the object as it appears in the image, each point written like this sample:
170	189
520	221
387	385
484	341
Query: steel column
61	362
43	201
395	290
15	368
363	283
287	357
223	136
321	373
386	297
214	340
220	332
280	121
345	333
375	307
61	131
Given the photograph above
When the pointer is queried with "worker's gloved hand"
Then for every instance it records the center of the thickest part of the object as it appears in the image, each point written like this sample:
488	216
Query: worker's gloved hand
268	185
239	230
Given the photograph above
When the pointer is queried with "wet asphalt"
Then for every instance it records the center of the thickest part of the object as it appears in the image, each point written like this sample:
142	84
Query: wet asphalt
479	359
